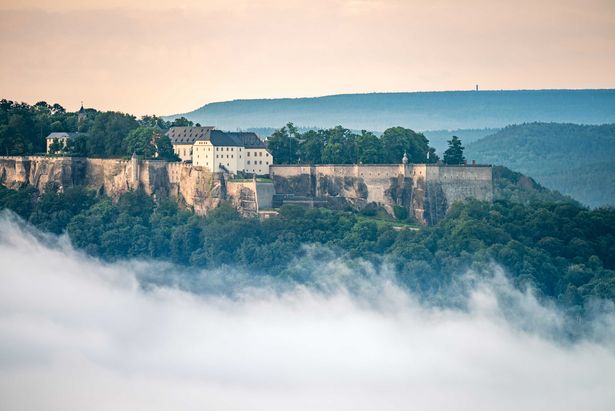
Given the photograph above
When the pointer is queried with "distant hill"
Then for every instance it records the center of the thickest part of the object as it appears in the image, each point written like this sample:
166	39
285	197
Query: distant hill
576	160
446	110
438	139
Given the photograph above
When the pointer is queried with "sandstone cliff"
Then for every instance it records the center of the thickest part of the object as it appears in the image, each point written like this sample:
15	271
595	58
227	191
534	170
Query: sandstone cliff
426	191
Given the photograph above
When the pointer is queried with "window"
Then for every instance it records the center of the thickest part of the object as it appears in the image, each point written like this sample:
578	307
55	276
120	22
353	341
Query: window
248	154
248	162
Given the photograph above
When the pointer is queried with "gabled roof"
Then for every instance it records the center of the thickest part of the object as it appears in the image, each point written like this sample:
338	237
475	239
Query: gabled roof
237	139
187	135
61	134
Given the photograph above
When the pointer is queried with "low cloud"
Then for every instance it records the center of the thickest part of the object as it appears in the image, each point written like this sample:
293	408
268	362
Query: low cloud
78	334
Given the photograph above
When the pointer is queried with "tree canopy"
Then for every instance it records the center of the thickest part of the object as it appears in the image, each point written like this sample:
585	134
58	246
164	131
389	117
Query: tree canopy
340	145
454	153
565	251
24	128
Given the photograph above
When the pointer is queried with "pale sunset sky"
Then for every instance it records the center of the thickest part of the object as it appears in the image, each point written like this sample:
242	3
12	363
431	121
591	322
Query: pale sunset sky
164	57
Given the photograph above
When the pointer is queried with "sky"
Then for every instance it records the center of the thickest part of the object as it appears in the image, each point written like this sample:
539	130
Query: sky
164	57
79	334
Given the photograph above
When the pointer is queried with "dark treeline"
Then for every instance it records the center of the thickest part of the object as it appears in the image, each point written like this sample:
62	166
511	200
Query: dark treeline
339	145
24	128
564	250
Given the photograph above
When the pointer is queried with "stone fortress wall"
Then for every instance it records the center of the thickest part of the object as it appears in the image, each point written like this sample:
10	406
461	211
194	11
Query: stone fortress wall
426	191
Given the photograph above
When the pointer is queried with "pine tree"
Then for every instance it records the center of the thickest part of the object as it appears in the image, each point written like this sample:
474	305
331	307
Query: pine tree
454	153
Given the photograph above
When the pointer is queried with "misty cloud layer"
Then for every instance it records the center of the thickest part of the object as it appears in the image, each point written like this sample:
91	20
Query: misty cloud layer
78	334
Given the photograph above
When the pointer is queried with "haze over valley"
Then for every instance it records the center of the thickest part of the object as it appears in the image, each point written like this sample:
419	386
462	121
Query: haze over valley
332	205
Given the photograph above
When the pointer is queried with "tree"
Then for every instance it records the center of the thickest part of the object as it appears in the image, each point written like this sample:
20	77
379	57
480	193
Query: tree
107	134
310	148
340	146
165	149
284	144
141	141
182	122
369	148
454	153
55	146
154	121
398	140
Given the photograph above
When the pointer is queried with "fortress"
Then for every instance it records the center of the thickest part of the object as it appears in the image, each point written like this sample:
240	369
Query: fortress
426	191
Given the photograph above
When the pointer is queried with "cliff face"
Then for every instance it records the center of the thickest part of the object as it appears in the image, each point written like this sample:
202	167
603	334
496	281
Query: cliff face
193	187
426	191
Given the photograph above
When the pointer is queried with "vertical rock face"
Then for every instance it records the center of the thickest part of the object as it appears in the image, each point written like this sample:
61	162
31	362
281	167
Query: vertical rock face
193	187
426	191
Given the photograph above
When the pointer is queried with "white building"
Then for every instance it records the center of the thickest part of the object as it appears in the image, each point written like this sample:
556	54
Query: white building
61	137
220	150
183	139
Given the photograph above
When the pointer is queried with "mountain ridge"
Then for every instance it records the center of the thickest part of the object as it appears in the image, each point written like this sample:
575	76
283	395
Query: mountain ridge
421	110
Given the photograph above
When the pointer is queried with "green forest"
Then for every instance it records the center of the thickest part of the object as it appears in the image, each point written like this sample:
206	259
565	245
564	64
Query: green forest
563	250
339	145
24	128
577	160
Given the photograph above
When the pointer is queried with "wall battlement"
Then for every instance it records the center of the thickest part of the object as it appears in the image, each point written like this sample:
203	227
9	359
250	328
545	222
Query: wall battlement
425	190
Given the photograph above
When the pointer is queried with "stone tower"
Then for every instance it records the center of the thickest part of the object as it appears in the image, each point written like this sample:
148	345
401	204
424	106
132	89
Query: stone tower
81	115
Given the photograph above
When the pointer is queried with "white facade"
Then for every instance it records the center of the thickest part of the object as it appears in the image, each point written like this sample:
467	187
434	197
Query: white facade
257	161
183	151
217	150
233	158
62	137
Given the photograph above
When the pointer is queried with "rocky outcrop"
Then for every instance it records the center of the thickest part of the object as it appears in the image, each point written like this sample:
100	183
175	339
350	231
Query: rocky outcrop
426	191
194	187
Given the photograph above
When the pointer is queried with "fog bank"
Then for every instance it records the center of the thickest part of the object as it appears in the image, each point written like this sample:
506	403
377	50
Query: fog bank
78	334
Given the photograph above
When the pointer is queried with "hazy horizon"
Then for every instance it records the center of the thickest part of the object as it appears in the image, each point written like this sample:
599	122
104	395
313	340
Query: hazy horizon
161	57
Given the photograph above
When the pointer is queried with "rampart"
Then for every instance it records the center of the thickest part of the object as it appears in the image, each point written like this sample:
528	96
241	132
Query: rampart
425	191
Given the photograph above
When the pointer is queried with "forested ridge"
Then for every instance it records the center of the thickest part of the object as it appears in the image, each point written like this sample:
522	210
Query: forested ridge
577	160
565	251
417	110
